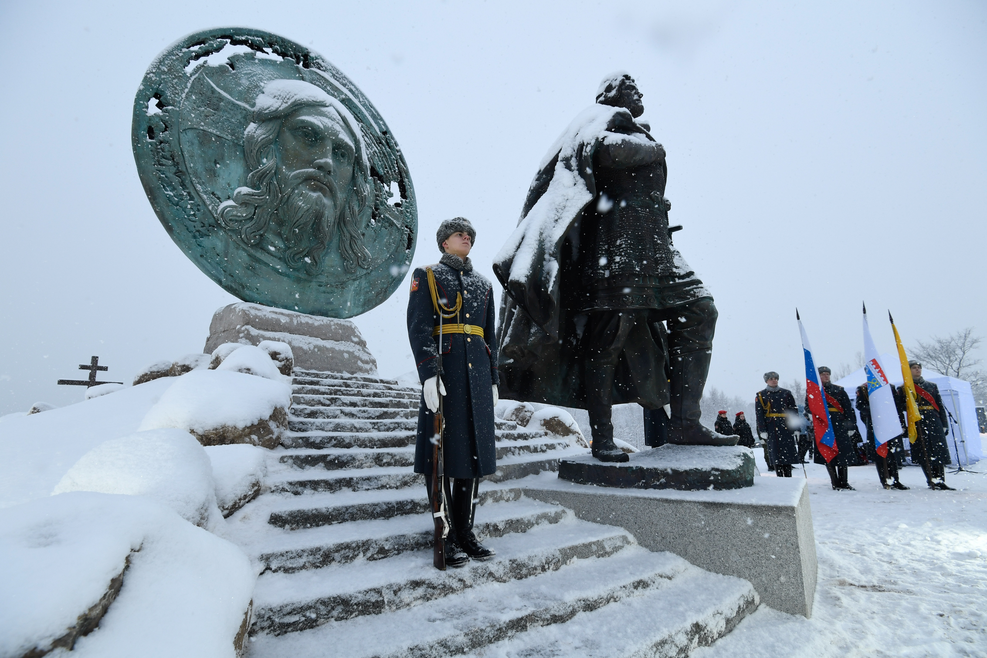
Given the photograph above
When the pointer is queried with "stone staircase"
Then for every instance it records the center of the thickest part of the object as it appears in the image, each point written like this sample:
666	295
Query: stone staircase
343	536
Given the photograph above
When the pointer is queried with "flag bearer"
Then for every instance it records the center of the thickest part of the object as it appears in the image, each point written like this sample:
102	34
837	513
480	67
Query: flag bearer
887	467
930	449
468	382
844	430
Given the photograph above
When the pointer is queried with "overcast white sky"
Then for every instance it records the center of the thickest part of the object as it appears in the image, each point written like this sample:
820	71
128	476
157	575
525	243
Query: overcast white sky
819	155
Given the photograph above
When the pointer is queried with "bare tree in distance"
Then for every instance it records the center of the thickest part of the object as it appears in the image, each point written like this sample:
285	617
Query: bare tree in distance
952	355
797	387
845	369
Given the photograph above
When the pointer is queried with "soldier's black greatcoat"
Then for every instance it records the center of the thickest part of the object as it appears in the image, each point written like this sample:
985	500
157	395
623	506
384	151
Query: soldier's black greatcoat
723	426
844	422
932	426
770	408
469	365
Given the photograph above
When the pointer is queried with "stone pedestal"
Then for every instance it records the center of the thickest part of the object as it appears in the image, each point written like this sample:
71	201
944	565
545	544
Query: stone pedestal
691	468
761	533
317	343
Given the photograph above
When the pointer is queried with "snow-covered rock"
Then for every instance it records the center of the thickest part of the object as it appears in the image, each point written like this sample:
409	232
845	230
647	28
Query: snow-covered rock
156	370
560	422
185	592
281	354
238	471
167	465
518	412
221	407
252	360
38	407
102	389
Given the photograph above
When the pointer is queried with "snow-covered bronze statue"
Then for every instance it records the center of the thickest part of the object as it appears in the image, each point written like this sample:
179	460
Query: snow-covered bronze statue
274	173
599	306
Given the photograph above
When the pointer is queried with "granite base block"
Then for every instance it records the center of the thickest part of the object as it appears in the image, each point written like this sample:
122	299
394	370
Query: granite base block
689	468
762	533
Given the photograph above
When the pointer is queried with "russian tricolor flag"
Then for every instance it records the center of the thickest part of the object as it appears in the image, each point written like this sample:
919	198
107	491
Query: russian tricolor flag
821	426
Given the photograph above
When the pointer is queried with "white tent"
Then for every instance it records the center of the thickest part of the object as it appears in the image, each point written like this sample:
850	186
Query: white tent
957	396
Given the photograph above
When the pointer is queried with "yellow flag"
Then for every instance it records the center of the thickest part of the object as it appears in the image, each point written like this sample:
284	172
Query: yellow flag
912	414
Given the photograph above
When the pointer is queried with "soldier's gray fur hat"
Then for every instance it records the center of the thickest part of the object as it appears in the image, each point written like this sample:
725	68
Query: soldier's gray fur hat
454	225
823	369
771	374
914	363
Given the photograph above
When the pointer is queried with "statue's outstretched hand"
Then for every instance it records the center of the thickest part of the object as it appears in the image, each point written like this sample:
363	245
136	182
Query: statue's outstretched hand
431	389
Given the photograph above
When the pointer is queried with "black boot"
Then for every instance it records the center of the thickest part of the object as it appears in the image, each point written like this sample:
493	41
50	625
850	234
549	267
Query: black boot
455	557
898	485
687	381
843	474
834	479
939	478
785	470
465	498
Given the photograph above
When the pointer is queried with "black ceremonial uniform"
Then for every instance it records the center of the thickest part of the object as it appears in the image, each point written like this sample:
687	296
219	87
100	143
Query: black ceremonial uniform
469	364
743	429
844	423
886	466
931	429
770	407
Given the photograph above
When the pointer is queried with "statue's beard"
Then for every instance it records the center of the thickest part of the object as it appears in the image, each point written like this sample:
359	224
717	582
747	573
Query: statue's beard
306	218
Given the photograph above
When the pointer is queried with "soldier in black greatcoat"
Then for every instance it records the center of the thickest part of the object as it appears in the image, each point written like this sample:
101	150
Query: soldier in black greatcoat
844	423
774	406
468	381
930	448
743	429
887	467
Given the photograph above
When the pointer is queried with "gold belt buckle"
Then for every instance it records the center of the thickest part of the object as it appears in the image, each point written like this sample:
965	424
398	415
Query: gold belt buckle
467	329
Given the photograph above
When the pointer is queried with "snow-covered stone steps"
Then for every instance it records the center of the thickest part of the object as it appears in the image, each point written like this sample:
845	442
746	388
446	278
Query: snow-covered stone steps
590	603
319	374
363	392
354	479
373	413
317	510
692	609
377	539
291	602
354	401
336	380
321	440
339	458
352	425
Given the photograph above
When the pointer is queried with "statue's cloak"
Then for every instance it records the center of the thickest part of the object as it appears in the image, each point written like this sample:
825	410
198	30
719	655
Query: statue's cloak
538	337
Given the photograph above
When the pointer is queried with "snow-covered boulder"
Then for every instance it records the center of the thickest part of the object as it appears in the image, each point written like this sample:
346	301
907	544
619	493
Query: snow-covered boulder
66	558
221	352
238	471
160	369
38	407
252	360
102	389
156	370
512	410
221	407
167	465
559	422
281	354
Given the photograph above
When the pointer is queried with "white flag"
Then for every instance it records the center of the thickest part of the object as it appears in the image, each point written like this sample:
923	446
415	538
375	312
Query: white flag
883	413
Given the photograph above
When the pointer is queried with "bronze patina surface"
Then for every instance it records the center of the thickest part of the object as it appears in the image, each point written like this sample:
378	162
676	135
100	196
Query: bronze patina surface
274	173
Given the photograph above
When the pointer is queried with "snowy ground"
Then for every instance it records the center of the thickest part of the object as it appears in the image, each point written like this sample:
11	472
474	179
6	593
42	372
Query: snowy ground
901	573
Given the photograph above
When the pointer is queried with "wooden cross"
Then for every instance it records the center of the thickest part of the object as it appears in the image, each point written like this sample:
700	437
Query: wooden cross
93	368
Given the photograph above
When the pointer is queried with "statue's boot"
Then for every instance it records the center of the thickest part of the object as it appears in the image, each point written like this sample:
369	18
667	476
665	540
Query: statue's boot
599	405
465	498
688	378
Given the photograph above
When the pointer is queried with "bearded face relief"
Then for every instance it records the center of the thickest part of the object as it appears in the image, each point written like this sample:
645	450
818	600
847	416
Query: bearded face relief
308	180
274	173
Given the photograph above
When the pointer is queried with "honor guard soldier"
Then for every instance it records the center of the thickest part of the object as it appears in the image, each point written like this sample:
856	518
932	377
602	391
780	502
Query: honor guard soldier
452	303
887	467
774	407
930	450
844	423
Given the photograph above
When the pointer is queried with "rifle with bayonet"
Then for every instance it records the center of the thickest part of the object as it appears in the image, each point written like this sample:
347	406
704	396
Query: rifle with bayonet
437	494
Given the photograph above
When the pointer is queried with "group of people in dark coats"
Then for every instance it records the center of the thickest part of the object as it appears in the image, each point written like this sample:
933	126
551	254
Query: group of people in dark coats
777	423
740	428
